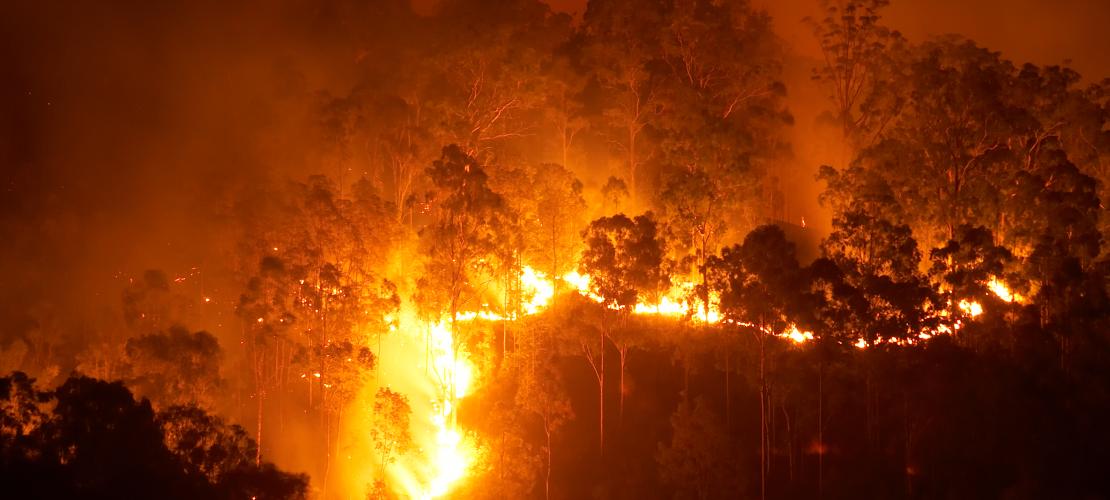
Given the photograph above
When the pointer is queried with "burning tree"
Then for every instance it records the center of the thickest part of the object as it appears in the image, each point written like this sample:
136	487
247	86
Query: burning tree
389	429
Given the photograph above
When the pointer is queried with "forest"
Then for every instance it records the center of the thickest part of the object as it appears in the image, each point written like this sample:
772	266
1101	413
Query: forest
378	249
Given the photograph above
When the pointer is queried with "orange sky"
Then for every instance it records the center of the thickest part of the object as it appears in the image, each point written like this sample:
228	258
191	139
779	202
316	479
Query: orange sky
1039	31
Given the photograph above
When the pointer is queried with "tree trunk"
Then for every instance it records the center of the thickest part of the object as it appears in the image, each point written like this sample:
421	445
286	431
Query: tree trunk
623	359
601	400
820	427
547	477
906	448
258	434
789	442
632	158
762	419
728	393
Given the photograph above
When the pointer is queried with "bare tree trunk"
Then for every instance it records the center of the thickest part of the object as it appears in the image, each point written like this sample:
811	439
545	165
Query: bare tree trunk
867	410
632	160
327	451
623	359
547	477
601	400
789	442
906	448
260	396
820	427
728	392
762	420
258	434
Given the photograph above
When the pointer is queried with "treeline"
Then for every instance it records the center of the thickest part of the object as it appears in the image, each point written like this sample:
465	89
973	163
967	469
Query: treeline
994	403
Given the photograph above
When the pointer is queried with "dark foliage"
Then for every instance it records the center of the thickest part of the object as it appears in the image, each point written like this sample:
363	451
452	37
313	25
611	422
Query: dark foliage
91	439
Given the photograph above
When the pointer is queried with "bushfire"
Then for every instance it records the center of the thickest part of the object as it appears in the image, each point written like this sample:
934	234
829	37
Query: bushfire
552	249
449	454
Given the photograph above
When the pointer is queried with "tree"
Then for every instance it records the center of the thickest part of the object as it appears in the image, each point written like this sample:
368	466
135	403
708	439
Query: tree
614	192
564	108
204	442
880	260
860	244
560	212
964	266
490	59
944	152
464	241
174	367
698	461
91	439
464	235
860	57
402	145
836	312
389	429
622	49
314	300
266	309
224	455
625	261
695	221
22	413
109	442
759	277
541	393
723	114
1051	203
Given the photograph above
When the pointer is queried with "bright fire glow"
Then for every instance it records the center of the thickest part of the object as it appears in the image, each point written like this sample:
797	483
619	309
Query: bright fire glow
971	308
453	373
449	456
1003	292
537	288
796	336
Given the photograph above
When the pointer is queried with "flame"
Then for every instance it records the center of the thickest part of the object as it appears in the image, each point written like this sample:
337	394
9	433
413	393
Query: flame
449	456
665	307
796	336
1003	292
970	307
454	375
538	288
677	303
451	460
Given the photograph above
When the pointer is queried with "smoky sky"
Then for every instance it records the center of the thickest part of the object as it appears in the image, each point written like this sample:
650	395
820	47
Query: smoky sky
125	130
1043	32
